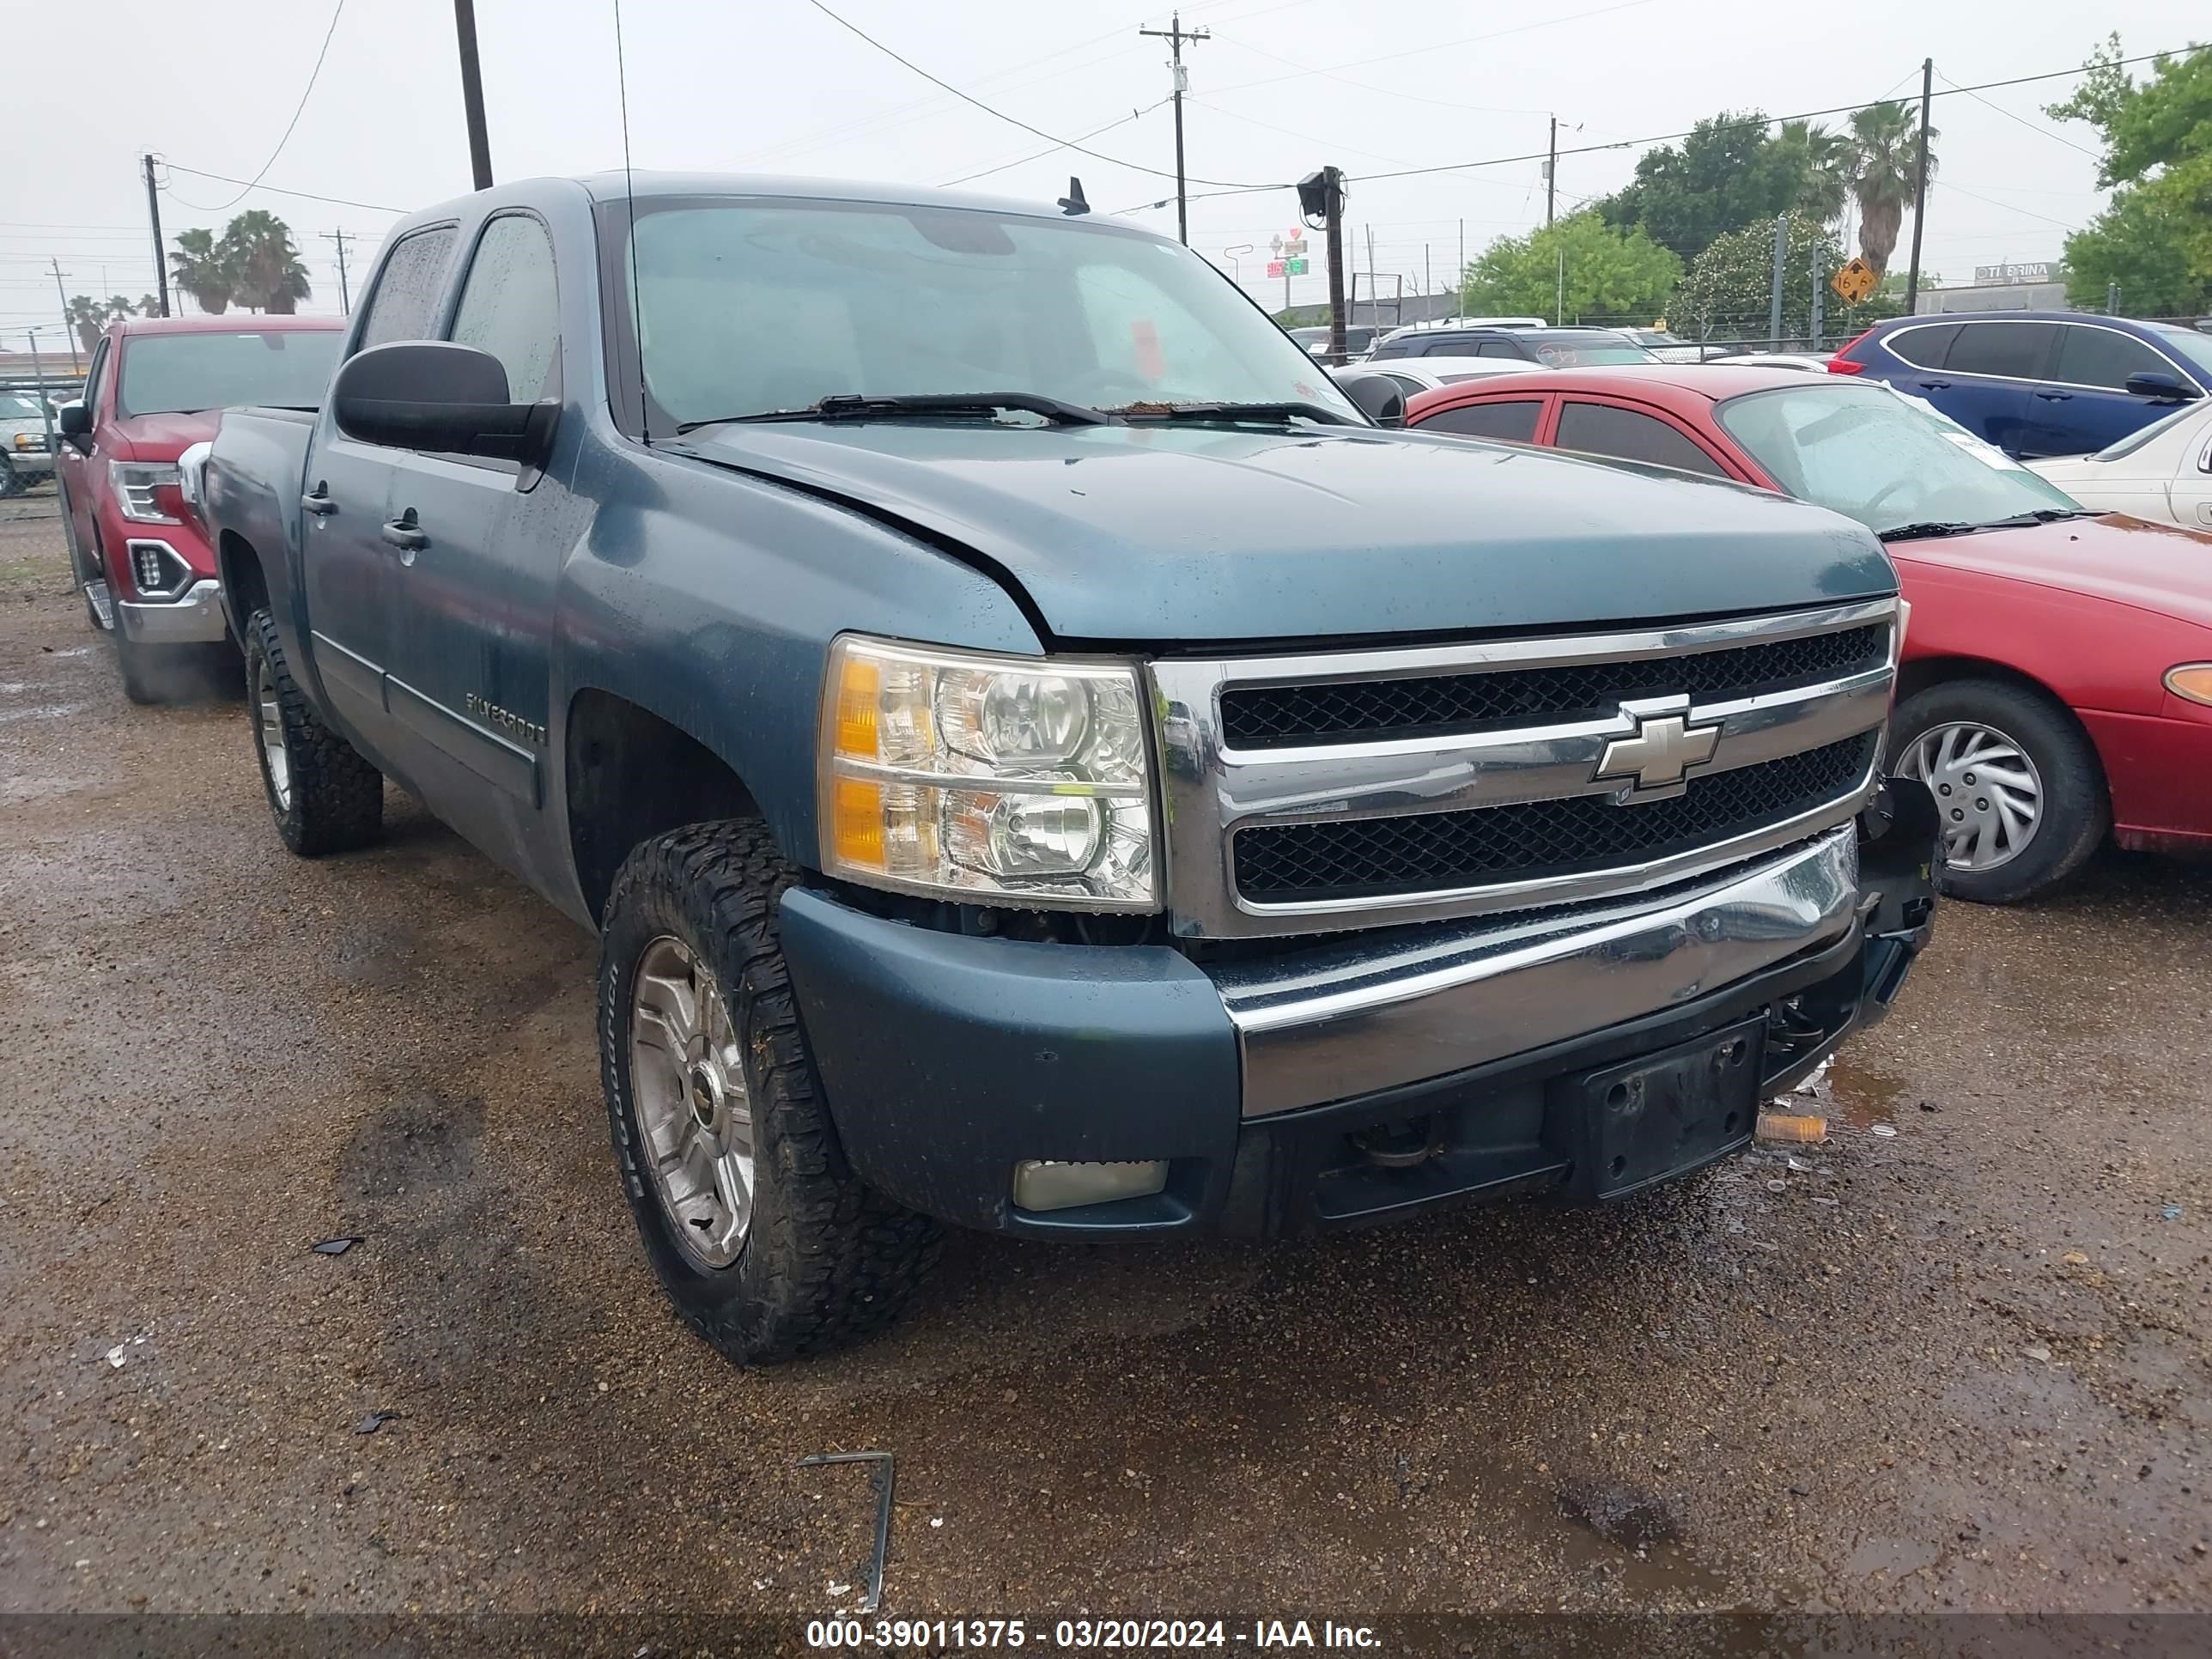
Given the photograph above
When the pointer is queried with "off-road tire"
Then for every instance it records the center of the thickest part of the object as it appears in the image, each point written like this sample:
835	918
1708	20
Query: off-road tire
2077	807
827	1261
337	798
11	482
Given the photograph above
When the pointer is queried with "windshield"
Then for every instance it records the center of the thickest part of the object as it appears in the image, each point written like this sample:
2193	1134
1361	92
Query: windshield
748	307
16	408
1586	350
2142	435
168	374
1866	452
2192	345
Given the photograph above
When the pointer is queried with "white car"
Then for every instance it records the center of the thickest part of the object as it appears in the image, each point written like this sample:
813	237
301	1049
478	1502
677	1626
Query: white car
1417	374
2163	471
27	440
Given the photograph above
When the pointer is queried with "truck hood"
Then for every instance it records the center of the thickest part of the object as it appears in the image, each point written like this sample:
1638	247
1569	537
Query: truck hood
2160	567
1204	534
165	437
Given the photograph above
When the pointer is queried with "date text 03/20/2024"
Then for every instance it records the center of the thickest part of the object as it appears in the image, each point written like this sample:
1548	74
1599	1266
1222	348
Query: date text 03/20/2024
1167	1634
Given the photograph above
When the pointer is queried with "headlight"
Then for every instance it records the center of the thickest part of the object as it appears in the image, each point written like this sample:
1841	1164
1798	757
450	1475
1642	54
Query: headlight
146	489
1009	779
2192	680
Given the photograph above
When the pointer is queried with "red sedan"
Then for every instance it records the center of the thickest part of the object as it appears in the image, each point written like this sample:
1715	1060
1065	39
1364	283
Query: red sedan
2056	681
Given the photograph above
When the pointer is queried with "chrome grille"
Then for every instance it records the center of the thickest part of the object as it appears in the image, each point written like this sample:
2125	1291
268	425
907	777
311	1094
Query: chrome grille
1364	789
1263	716
1344	858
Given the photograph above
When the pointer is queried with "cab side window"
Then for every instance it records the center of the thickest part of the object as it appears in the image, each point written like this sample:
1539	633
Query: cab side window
405	305
1514	422
509	305
2011	352
94	401
1602	429
2103	357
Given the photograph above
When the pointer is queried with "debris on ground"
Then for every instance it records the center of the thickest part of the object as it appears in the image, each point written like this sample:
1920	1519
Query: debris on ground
1799	1129
2037	1351
371	1421
2171	1212
883	1473
337	1246
2075	1258
1887	1131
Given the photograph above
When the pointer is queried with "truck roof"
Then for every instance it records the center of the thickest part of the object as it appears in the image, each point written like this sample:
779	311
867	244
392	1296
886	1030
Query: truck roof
231	322
614	186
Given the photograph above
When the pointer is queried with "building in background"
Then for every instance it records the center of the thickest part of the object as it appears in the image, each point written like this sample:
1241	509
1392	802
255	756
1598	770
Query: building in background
2036	285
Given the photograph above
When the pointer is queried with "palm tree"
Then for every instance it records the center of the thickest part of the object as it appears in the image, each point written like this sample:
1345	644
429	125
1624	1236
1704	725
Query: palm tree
203	270
1825	157
1884	150
269	274
88	317
148	305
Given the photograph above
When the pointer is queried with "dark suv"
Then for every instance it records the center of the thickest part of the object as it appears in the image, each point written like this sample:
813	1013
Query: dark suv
2038	383
1553	348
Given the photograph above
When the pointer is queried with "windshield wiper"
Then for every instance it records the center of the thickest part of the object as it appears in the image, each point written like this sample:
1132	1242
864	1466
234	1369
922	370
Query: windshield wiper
1289	410
1926	527
853	405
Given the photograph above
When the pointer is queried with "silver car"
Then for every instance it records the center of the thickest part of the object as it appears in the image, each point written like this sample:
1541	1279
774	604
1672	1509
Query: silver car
27	441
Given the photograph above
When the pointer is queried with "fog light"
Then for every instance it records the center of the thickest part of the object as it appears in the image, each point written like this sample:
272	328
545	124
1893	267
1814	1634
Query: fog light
1042	1184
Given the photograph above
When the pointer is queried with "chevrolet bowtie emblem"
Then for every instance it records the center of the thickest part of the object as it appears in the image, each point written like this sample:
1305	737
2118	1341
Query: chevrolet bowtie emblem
1654	758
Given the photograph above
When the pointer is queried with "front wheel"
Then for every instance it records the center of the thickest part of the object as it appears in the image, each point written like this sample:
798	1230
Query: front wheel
323	796
2016	779
763	1238
11	482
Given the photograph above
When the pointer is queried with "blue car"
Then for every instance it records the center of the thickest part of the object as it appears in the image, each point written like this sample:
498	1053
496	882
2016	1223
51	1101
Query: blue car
2039	382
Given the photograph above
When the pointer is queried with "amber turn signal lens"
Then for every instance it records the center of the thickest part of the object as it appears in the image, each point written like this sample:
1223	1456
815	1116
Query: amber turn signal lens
859	694
857	823
2192	680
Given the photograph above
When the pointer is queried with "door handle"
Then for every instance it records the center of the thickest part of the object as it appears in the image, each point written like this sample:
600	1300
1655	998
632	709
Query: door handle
317	502
1935	386
404	533
2055	397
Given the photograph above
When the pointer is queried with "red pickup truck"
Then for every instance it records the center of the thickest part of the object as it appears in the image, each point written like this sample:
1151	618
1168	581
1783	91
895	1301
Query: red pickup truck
156	386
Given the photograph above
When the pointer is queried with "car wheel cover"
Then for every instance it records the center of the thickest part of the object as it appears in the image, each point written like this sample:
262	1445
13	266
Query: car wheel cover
1988	788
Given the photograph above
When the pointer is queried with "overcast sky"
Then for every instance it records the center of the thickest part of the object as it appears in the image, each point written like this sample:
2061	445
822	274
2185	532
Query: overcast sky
774	86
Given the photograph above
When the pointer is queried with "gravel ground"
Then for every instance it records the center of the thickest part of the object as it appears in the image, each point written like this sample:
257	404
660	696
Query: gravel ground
1960	1366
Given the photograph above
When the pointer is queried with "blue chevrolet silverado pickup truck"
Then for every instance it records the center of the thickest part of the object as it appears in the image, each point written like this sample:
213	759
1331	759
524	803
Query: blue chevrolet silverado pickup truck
1036	755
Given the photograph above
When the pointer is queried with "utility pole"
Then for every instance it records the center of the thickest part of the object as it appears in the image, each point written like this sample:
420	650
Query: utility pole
1552	171
345	293
464	26
1920	186
1175	34
69	332
1774	299
1321	194
1374	293
1428	276
160	263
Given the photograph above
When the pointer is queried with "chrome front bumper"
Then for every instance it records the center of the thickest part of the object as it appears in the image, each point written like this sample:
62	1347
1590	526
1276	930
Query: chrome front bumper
194	617
1372	1016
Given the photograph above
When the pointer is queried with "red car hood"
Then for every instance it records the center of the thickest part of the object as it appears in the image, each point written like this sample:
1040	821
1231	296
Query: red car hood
165	437
2158	568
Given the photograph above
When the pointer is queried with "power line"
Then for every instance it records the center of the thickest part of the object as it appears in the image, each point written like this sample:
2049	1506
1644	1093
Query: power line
1058	143
337	11
276	190
1039	155
2021	120
1945	184
1437	46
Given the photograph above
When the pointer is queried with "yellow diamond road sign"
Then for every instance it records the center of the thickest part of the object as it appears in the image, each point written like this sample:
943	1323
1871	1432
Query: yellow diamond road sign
1856	281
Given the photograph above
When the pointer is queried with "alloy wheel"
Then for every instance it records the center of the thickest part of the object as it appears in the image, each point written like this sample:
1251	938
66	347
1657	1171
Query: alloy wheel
694	1115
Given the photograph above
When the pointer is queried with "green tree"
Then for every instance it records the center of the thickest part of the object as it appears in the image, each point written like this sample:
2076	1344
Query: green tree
88	317
1884	157
1608	272
267	272
149	304
1727	174
2154	237
202	269
1728	293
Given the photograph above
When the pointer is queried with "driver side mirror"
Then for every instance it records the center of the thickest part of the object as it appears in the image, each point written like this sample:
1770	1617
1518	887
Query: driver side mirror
434	396
2161	387
1378	395
73	421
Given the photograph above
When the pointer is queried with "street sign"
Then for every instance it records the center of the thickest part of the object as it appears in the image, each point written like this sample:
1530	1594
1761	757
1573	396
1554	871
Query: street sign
1274	267
1854	282
1296	267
